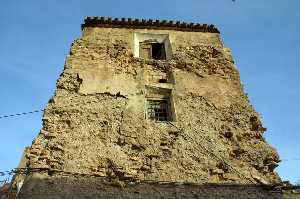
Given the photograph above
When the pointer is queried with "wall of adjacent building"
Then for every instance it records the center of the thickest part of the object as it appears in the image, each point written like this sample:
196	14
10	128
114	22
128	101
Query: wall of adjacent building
67	187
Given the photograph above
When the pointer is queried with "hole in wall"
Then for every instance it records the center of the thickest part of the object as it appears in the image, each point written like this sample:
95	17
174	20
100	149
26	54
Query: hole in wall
162	80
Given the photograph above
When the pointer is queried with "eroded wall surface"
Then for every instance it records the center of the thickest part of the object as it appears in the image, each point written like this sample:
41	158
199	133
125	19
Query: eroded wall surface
95	123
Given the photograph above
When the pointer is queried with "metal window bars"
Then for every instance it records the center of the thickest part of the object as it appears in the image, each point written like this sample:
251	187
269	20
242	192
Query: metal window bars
158	109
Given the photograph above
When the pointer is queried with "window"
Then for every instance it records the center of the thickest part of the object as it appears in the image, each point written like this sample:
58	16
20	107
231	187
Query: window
158	109
159	104
152	46
152	50
158	51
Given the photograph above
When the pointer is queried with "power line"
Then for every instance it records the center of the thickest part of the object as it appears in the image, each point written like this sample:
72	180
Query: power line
291	159
222	159
26	171
129	180
19	114
41	110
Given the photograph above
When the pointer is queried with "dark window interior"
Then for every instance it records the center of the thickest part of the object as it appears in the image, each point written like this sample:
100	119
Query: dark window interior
162	80
158	51
158	110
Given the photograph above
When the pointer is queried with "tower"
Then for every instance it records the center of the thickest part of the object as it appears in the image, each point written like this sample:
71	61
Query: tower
143	101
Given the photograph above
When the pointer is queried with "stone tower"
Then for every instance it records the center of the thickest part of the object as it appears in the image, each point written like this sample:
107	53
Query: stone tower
143	101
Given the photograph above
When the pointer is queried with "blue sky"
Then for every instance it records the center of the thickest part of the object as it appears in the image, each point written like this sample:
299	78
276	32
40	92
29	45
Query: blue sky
35	37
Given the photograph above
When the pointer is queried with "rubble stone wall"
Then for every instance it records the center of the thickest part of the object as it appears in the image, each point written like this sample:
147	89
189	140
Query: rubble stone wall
95	123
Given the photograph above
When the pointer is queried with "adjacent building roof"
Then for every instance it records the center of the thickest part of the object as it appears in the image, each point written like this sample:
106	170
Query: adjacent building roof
108	22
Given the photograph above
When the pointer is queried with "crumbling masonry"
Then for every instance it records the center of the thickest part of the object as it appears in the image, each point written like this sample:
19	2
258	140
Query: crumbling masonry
142	102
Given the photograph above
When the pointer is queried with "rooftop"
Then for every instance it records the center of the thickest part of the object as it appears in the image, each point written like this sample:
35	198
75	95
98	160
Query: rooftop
108	22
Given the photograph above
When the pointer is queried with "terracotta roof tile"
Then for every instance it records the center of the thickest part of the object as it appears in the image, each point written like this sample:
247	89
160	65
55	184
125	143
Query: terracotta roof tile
147	24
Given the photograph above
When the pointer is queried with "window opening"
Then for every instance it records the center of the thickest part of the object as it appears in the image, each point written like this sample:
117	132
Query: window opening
152	46
152	50
158	51
158	110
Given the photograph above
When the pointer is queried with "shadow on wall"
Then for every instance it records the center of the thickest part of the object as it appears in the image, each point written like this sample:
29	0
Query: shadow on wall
92	187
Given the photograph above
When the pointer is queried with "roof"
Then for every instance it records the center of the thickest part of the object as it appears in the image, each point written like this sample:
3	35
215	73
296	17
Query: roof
108	22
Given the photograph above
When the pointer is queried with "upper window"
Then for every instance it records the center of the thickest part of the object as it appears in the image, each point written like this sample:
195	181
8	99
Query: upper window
152	46
150	49
158	51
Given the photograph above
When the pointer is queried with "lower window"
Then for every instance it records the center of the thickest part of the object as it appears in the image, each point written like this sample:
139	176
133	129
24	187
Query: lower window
158	109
